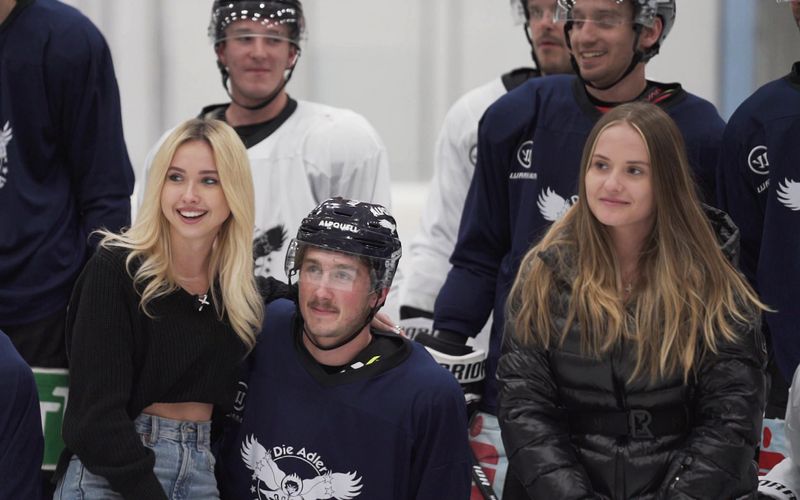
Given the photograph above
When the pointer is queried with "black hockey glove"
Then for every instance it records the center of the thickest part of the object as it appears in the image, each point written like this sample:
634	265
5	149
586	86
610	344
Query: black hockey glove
450	350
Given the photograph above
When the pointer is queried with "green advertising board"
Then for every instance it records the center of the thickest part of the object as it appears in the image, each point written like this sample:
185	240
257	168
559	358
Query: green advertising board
53	385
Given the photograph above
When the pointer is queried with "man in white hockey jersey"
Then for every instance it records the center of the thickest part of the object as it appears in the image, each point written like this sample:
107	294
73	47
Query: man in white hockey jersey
301	153
454	164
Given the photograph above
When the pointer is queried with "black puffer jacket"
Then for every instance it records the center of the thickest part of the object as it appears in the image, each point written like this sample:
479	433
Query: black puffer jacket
574	428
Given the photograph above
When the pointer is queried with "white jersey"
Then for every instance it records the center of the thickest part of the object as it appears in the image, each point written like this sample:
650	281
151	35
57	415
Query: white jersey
317	153
427	260
783	480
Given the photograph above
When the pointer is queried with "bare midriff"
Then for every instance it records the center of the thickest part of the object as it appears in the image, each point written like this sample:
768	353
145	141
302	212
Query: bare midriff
194	412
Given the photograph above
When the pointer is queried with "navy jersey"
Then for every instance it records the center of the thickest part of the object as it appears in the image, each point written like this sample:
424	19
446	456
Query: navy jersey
64	168
759	186
21	441
529	148
393	429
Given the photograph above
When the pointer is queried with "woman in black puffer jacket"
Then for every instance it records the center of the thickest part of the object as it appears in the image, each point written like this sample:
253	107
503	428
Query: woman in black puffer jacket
633	364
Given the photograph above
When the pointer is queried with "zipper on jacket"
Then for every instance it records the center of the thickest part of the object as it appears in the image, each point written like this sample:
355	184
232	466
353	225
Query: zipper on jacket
685	463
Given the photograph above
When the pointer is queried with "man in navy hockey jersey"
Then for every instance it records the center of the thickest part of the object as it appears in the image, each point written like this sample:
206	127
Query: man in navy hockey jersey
332	408
529	146
759	186
64	172
426	264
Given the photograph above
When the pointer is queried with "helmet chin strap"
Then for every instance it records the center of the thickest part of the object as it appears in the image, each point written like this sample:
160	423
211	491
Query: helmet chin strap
275	93
635	60
526	28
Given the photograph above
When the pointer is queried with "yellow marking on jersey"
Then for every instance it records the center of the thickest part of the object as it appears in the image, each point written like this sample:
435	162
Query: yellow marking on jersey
373	359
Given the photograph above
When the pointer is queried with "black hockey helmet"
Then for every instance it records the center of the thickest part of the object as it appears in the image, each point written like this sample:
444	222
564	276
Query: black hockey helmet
276	12
365	230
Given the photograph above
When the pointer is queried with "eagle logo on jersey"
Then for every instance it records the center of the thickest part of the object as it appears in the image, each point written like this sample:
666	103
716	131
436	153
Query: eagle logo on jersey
789	194
272	483
553	206
269	241
5	137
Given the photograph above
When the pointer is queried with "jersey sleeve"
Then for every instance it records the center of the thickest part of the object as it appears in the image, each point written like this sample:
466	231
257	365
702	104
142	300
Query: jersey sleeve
737	188
429	252
97	426
441	459
90	127
21	438
346	157
467	298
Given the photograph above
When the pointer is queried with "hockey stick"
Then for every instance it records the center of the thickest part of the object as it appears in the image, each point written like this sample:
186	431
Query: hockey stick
480	480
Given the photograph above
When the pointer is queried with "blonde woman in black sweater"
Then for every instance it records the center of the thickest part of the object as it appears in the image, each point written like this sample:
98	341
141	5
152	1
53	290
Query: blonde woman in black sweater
158	324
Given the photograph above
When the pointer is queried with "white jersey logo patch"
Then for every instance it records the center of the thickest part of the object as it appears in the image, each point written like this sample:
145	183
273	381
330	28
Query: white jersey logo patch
270	482
553	206
758	161
525	154
789	194
5	137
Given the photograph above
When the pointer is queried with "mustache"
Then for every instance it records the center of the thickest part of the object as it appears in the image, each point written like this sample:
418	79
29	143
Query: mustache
324	305
549	39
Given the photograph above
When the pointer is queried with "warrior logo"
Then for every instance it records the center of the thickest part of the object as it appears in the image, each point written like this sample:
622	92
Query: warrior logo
270	482
789	194
525	154
757	159
266	243
5	137
473	154
552	206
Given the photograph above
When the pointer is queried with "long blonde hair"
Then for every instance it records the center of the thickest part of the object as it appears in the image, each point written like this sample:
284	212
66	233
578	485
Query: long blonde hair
689	295
231	262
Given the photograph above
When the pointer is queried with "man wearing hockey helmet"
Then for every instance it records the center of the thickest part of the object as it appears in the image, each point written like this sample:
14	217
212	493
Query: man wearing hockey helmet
301	152
528	154
426	265
379	417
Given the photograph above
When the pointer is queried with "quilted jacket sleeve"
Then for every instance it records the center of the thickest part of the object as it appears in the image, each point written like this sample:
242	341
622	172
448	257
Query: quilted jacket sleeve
718	456
534	427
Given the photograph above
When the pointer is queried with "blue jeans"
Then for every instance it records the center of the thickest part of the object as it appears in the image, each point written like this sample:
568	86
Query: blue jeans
184	463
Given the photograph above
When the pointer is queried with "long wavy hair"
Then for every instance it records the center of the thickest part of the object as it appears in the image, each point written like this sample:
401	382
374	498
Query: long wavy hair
688	297
231	261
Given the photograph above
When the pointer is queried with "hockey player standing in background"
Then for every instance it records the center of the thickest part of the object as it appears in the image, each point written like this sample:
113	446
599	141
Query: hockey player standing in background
759	186
301	152
529	145
454	164
64	172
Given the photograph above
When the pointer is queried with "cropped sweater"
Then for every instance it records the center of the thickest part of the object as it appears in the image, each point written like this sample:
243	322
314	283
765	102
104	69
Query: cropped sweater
122	360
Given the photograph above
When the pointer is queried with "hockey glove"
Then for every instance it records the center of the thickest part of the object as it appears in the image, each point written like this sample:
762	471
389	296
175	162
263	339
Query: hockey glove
449	349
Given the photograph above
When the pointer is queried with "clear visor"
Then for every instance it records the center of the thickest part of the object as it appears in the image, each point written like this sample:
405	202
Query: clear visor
572	11
248	36
333	269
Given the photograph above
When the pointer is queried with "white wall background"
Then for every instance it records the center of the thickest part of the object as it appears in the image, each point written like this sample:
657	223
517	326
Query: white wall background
401	64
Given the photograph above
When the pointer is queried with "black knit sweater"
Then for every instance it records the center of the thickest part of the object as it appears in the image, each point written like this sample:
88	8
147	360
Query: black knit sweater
121	361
